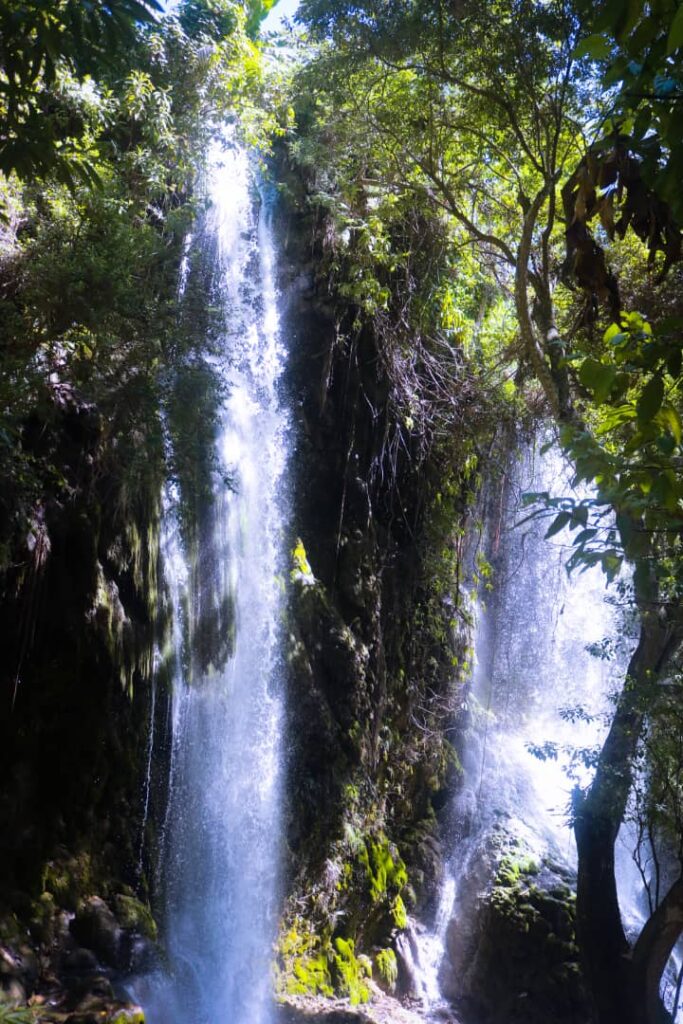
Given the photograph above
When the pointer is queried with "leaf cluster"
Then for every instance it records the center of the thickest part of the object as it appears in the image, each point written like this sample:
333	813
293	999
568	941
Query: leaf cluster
89	263
40	45
638	47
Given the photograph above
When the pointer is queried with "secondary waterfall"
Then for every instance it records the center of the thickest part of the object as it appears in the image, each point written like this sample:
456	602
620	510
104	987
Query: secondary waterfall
538	685
220	845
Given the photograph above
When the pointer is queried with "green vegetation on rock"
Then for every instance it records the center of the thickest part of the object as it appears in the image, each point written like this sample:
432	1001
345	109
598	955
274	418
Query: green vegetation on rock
351	971
385	871
387	967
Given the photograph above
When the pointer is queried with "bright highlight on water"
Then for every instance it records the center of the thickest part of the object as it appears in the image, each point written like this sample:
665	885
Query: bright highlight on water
220	855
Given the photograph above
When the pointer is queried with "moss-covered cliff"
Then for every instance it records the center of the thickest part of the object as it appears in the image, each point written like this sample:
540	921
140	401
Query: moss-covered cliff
379	629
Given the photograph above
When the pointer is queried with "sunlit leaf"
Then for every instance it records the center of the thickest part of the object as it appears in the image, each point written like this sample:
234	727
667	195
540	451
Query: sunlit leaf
597	47
598	377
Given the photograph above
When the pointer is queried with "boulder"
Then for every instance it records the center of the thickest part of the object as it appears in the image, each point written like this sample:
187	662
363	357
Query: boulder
511	955
96	928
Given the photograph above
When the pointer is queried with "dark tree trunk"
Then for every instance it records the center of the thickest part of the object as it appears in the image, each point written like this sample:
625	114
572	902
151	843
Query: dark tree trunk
598	816
651	955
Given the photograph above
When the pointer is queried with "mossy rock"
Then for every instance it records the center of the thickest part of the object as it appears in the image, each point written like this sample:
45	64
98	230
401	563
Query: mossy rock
387	969
351	971
384	868
42	919
68	880
309	965
519	961
126	1015
135	916
303	966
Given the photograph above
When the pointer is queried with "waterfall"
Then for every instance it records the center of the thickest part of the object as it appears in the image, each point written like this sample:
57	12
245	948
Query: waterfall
539	688
220	846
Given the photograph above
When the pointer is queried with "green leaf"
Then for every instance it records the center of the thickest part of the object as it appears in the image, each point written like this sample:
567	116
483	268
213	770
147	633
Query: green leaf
584	535
650	400
665	490
669	417
674	363
676	32
616	418
597	47
598	377
560	521
611	565
666	444
579	516
532	497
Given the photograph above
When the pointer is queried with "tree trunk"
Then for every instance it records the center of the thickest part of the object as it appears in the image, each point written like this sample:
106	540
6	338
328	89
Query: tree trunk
651	955
598	816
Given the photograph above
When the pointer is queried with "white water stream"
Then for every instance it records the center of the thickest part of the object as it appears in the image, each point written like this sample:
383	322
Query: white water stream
534	683
220	856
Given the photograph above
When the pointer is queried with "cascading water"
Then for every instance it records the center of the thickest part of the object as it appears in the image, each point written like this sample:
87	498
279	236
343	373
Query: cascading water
536	687
219	870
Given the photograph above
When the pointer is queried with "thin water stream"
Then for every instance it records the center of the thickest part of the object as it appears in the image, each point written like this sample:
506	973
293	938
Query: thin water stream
220	845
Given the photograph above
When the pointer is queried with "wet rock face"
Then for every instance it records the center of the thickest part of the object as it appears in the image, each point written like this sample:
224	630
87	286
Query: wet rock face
123	940
373	631
511	954
18	964
96	928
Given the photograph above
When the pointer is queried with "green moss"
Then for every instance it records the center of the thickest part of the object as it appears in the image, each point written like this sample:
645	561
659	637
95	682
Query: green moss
352	971
129	1015
67	881
301	571
384	869
511	870
134	915
303	965
310	965
42	919
398	912
311	977
387	967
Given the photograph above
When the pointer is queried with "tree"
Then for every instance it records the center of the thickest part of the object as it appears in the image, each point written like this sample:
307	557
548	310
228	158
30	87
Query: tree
637	47
490	125
40	43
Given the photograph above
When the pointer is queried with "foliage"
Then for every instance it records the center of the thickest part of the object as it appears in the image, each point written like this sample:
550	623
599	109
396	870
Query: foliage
43	49
539	184
637	47
656	807
632	454
88	300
